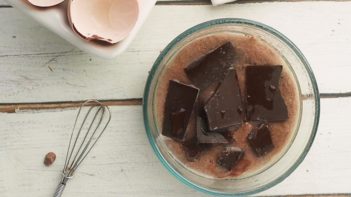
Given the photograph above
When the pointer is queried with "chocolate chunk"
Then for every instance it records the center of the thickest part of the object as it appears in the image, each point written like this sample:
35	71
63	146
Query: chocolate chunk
212	67
230	157
205	137
178	113
223	107
263	98
260	140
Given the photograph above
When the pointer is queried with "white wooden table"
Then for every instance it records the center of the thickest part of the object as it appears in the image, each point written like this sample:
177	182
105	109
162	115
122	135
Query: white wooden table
43	78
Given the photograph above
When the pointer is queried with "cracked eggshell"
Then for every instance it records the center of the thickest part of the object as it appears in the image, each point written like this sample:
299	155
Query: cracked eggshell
45	3
103	20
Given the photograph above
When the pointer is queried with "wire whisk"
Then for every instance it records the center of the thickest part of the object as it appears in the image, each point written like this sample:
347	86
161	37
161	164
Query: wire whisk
91	121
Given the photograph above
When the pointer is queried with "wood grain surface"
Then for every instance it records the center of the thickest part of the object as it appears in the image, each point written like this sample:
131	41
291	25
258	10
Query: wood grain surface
123	163
38	66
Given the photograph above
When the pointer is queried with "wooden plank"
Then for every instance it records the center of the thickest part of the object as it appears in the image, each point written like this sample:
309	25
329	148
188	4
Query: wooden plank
4	3
38	66
123	163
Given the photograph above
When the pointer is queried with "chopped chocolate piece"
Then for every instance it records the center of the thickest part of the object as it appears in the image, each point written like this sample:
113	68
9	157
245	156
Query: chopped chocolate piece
222	108
230	157
212	67
260	140
263	98
179	107
204	137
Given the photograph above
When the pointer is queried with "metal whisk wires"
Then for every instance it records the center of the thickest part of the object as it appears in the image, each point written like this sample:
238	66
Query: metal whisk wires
92	120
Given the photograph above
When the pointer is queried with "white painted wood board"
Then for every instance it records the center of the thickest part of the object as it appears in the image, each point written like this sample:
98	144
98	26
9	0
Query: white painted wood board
123	163
3	2
26	61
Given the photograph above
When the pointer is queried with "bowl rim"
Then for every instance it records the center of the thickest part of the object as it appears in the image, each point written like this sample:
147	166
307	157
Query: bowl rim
203	26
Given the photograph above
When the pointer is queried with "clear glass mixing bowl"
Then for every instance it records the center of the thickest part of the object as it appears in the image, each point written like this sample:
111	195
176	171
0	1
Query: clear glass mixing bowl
305	130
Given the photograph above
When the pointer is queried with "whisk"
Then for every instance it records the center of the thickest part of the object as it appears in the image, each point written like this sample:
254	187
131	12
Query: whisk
92	125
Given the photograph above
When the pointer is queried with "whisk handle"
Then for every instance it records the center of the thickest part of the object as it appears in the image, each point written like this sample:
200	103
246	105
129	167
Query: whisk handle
59	189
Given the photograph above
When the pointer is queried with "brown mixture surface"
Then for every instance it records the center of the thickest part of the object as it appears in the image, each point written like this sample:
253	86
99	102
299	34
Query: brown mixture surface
250	51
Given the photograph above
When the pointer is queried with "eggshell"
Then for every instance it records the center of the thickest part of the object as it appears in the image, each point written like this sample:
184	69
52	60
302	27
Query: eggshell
104	20
45	3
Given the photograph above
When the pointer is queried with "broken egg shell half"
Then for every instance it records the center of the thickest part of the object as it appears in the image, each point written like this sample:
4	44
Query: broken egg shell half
45	3
103	20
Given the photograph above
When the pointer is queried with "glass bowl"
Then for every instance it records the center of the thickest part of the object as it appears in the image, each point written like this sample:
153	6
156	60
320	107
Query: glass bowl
306	127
